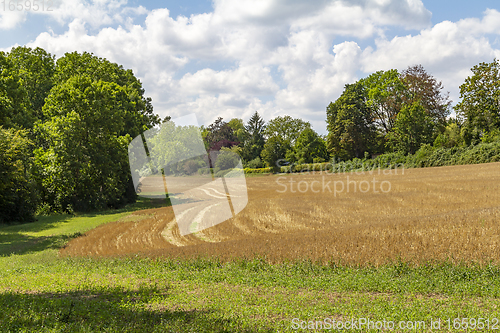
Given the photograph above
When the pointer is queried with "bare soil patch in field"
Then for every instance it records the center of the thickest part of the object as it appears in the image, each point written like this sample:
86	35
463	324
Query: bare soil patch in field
414	214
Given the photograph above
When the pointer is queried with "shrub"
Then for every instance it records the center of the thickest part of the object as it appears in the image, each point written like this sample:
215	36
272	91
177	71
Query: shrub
259	170
256	163
226	160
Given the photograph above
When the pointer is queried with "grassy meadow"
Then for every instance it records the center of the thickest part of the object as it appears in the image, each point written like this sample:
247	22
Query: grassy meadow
424	251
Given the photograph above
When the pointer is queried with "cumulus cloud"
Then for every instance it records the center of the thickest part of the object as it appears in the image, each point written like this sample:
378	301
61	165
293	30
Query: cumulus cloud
254	80
96	13
10	19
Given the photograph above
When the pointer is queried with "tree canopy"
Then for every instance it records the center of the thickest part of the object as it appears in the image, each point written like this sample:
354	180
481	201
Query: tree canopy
18	196
254	143
479	108
286	127
350	123
84	165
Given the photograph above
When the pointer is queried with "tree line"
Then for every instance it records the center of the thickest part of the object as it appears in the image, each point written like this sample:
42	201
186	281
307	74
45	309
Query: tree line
399	112
386	112
65	126
64	130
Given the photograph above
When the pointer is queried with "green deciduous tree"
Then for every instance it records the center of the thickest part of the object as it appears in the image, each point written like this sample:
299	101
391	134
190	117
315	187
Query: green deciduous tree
83	163
226	160
139	116
451	136
239	130
479	108
36	68
14	110
350	123
384	90
170	146
275	150
286	127
413	127
309	148
18	197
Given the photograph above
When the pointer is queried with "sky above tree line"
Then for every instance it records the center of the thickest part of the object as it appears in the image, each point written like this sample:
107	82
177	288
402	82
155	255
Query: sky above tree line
230	58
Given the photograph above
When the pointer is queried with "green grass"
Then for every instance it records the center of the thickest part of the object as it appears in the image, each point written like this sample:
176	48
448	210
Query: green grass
41	292
54	231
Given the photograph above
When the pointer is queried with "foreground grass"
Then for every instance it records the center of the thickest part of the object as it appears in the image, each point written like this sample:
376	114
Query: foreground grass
44	293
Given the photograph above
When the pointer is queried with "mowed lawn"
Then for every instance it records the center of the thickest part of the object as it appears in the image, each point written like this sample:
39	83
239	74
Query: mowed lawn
42	291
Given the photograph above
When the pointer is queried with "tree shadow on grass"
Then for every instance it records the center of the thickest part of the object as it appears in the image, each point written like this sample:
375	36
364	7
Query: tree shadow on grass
42	223
14	240
106	311
47	222
16	243
141	203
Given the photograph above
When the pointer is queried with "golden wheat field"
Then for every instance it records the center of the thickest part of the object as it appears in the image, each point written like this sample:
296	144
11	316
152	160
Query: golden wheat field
414	214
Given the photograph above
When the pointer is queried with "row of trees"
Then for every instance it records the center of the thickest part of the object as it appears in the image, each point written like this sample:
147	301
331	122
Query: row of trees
260	144
64	128
390	111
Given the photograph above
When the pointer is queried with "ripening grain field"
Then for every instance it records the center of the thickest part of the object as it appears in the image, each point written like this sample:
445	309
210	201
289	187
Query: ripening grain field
365	218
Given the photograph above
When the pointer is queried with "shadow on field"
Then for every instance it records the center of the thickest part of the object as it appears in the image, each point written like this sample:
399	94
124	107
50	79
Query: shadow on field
42	223
111	310
16	243
15	240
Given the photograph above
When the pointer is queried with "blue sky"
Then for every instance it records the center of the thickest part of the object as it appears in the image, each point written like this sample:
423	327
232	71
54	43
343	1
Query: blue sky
229	58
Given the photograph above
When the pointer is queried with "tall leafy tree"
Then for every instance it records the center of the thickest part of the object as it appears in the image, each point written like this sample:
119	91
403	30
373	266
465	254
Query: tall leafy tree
350	123
18	196
83	163
239	130
384	91
14	110
274	150
139	116
254	143
36	68
423	88
479	108
176	149
286	127
413	127
309	148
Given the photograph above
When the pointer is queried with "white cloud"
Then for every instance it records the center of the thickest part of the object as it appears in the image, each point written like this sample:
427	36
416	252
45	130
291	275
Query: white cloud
254	80
9	19
96	13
